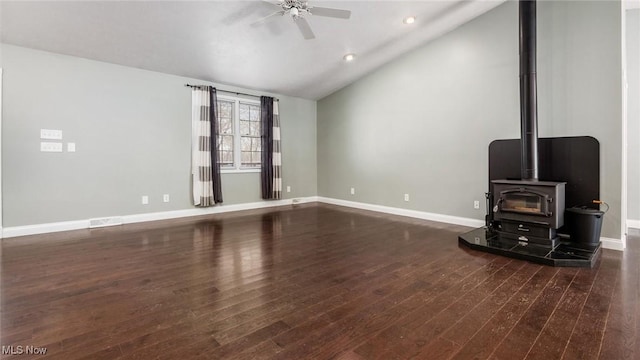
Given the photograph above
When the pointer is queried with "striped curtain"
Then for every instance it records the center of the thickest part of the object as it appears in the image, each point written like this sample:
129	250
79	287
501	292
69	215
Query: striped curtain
204	156
271	179
277	156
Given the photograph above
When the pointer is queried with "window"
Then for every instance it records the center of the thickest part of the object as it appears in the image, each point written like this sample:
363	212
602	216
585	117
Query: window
225	133
239	132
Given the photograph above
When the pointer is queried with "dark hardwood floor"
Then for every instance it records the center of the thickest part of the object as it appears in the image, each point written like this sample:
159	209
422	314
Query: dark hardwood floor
307	282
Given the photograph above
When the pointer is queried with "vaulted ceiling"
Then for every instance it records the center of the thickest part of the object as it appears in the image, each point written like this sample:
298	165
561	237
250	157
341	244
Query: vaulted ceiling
214	40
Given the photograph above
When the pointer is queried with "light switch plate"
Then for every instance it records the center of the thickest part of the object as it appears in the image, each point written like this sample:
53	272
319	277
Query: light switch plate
50	134
71	147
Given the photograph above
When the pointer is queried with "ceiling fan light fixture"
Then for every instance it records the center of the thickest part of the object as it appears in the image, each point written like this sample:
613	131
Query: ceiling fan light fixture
349	57
409	20
299	10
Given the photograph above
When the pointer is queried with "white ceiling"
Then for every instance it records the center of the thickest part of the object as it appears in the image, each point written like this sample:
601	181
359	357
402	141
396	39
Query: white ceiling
213	40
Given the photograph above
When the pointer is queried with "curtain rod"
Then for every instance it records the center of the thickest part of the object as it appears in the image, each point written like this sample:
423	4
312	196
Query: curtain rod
227	91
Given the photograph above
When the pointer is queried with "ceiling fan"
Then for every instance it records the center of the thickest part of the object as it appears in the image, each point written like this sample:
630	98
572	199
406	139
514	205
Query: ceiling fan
298	10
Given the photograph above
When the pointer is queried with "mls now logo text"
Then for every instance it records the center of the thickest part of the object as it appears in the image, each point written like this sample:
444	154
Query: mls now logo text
23	350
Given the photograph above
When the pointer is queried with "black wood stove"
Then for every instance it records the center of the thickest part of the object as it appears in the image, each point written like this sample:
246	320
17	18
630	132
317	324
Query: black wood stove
529	211
524	214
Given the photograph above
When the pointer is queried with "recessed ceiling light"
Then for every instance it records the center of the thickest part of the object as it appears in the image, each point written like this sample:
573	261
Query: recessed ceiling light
409	20
349	57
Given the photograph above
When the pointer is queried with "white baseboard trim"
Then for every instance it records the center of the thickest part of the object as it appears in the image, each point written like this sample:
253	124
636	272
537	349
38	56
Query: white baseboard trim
14	231
449	219
36	229
612	244
633	224
132	219
607	243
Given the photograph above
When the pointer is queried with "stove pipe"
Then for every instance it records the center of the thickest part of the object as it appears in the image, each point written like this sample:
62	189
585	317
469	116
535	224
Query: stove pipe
528	92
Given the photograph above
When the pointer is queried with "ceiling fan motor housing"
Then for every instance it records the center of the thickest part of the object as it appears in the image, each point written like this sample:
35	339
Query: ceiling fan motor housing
288	4
295	8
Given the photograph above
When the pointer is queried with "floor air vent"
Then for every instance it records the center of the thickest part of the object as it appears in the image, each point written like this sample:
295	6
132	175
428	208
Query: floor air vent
102	222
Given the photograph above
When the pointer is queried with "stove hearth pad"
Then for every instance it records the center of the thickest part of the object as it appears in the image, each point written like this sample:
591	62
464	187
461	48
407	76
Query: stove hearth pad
565	253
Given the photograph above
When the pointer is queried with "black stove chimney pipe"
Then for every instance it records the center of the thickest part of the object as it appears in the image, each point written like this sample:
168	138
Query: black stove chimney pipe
528	92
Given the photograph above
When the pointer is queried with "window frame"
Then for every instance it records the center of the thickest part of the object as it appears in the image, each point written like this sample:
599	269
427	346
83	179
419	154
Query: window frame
237	136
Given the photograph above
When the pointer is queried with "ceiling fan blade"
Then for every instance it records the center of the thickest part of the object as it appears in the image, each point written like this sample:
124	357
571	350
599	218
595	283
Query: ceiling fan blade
277	3
328	12
267	18
304	28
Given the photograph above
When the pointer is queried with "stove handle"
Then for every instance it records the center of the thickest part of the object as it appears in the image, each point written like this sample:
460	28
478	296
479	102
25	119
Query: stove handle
496	207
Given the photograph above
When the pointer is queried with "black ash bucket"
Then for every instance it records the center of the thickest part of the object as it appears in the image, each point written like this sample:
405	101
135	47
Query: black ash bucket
584	224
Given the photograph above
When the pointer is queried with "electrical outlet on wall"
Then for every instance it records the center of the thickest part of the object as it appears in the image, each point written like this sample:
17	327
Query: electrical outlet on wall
46	146
288	188
476	204
145	200
353	191
165	197
406	197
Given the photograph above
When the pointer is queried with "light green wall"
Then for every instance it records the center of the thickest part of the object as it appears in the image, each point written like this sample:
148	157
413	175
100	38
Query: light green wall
633	113
580	86
422	124
419	125
132	131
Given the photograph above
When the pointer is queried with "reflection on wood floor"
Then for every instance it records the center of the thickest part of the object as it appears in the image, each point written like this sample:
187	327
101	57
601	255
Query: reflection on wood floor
310	281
